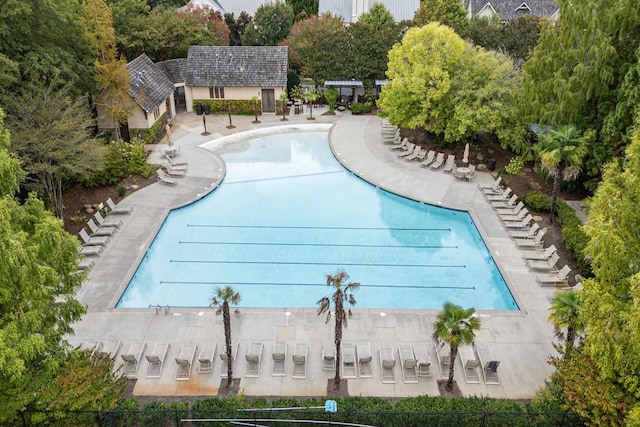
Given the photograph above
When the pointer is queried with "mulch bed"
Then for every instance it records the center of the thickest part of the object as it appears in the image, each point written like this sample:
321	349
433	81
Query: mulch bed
333	391
449	394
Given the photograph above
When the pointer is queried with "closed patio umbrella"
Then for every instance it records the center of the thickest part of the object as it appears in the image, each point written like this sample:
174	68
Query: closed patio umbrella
465	157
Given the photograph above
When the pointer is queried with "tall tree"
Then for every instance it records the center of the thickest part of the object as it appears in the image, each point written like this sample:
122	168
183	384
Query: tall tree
303	9
52	136
236	27
455	326
11	173
270	25
562	152
224	298
565	313
378	17
342	294
447	12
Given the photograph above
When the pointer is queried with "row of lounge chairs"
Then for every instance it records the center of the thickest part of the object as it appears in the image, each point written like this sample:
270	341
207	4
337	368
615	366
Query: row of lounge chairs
101	230
476	359
170	170
526	235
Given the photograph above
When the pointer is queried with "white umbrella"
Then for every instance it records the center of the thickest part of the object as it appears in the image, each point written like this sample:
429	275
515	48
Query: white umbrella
168	131
465	157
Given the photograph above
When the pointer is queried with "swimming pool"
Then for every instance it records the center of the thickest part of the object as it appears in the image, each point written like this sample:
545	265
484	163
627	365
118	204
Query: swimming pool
287	214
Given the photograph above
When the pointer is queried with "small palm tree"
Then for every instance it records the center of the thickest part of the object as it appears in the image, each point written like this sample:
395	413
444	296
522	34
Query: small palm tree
255	100
565	313
310	96
455	326
284	98
343	294
223	298
562	152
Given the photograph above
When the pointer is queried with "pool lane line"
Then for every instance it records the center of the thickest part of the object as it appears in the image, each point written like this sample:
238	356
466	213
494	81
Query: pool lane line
317	285
315	263
302	227
331	245
275	178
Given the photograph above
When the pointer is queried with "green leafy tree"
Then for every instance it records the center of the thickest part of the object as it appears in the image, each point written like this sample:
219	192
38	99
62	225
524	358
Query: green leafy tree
11	173
455	326
520	36
562	152
485	32
303	9
343	294
378	17
236	27
224	298
565	313
331	94
270	25
51	135
310	96
317	46
129	21
447	12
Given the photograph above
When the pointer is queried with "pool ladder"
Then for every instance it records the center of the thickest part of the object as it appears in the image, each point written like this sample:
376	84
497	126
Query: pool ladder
160	307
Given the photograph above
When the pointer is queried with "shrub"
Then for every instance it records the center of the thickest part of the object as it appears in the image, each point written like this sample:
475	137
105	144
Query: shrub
122	160
573	236
122	190
515	166
357	108
368	106
241	107
538	201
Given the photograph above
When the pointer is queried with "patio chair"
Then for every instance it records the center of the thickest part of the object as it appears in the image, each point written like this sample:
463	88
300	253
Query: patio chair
93	241
519	224
253	357
164	179
514	217
109	348
450	164
470	364
224	366
364	360
489	365
496	187
349	365
175	166
498	197
471	174
553	279
539	254
132	358
508	204
279	356
329	356
420	154
547	266
90	250
408	363
415	150
100	231
184	361
437	163
387	365
431	155
207	357
424	362
536	242
173	162
106	222
300	351
525	234
114	209
175	173
444	357
93	346
156	359
458	173
87	264
511	211
404	145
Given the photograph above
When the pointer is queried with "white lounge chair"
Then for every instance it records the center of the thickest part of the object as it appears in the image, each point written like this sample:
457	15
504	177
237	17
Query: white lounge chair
106	222
253	357
496	187
525	234
109	348
514	217
172	162
444	358
408	363
518	225
387	365
539	254
494	197
510	211
90	250
415	150
300	351
156	359
279	356
184	361
100	231
508	204
207	357
404	145
547	265
164	179
85	263
420	154
175	173
450	164
329	356
364	360
93	241
223	357
175	166
536	242
553	279
349	365
470	364
114	209
431	155
489	365
437	163
132	358
424	362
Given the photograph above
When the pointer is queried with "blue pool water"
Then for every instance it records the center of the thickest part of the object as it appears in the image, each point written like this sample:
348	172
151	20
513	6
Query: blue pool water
287	214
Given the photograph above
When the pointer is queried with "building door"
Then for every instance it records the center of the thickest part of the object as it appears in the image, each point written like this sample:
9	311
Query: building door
268	101
180	99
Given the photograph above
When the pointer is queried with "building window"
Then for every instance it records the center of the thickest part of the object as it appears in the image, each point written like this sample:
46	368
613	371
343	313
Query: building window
156	113
216	92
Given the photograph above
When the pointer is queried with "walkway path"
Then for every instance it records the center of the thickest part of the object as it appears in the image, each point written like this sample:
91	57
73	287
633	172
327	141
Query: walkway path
520	340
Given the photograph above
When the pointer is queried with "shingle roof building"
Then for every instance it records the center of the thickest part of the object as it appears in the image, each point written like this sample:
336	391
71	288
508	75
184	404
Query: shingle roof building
149	86
175	69
238	66
512	9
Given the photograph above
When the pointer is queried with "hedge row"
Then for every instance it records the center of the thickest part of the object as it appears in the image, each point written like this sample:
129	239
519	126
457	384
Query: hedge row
241	107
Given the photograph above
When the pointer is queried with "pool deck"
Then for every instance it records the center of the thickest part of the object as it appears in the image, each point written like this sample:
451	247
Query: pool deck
520	340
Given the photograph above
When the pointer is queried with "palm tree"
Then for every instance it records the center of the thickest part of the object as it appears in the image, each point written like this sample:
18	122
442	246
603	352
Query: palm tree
455	326
222	299
310	96
342	294
565	313
562	152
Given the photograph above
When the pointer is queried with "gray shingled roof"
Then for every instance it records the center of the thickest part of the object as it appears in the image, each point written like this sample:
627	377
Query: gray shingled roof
149	86
513	9
175	69
239	66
